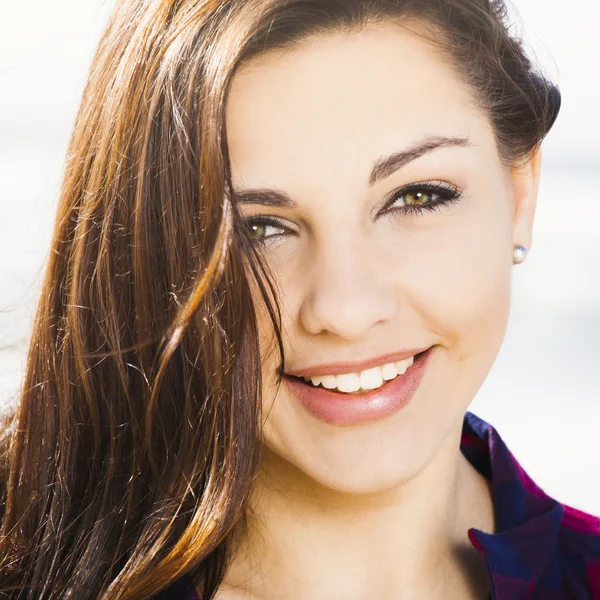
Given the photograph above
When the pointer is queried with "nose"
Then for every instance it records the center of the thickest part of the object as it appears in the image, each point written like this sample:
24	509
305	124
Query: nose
348	291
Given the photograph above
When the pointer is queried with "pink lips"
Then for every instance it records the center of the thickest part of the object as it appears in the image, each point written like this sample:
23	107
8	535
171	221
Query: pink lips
356	366
338	408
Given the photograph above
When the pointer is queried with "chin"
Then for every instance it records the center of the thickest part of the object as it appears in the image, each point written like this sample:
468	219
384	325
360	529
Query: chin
371	459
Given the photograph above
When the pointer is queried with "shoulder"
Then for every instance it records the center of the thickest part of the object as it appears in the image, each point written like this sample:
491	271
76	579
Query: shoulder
579	549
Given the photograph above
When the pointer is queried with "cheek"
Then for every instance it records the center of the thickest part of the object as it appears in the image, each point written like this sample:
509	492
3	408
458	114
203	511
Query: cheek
463	288
267	341
471	284
453	284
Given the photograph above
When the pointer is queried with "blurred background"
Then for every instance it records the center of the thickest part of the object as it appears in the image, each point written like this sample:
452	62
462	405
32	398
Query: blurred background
543	392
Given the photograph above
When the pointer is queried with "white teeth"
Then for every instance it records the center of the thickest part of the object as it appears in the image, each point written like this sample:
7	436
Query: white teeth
328	381
402	365
389	371
369	379
349	382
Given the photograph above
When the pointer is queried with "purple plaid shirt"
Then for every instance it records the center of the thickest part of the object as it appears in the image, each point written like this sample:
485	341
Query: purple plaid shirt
544	550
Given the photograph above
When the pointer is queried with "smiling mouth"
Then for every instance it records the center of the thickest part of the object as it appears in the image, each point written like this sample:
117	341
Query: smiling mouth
361	391
339	408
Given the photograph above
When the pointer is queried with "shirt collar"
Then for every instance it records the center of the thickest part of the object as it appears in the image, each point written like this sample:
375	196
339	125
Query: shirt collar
527	519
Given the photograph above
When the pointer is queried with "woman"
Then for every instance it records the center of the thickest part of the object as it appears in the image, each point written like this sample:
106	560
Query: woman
280	272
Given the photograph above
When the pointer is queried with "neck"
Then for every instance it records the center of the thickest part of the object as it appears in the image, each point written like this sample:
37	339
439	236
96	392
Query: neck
404	542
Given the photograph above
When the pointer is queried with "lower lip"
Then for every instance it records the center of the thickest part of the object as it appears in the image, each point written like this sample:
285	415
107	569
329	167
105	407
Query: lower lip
337	408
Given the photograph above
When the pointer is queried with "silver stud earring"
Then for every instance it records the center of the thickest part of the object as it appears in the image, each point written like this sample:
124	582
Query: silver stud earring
519	254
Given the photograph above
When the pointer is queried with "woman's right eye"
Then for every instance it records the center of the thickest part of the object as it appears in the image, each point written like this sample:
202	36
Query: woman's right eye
258	227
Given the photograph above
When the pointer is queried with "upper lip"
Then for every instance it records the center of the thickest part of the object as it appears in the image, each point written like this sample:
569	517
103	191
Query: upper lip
341	368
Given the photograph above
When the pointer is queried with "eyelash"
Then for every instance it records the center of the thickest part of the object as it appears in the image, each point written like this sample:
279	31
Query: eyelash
446	193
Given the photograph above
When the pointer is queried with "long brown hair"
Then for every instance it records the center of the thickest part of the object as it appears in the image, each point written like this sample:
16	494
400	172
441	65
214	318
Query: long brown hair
133	450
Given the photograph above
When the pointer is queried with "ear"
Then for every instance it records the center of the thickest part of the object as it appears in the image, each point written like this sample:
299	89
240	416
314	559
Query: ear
525	183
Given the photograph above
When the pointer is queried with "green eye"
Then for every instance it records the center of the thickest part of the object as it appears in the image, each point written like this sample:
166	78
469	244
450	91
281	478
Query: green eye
415	198
257	229
420	197
254	230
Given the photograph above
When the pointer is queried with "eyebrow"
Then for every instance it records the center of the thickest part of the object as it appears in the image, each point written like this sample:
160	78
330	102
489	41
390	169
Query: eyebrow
382	168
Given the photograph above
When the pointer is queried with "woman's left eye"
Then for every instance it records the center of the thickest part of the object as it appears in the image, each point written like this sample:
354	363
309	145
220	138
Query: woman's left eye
420	197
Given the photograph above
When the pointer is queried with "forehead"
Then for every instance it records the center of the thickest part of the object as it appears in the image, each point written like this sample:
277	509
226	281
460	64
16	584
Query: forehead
342	100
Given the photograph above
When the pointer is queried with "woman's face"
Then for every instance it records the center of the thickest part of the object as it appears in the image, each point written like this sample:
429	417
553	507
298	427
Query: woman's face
359	276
